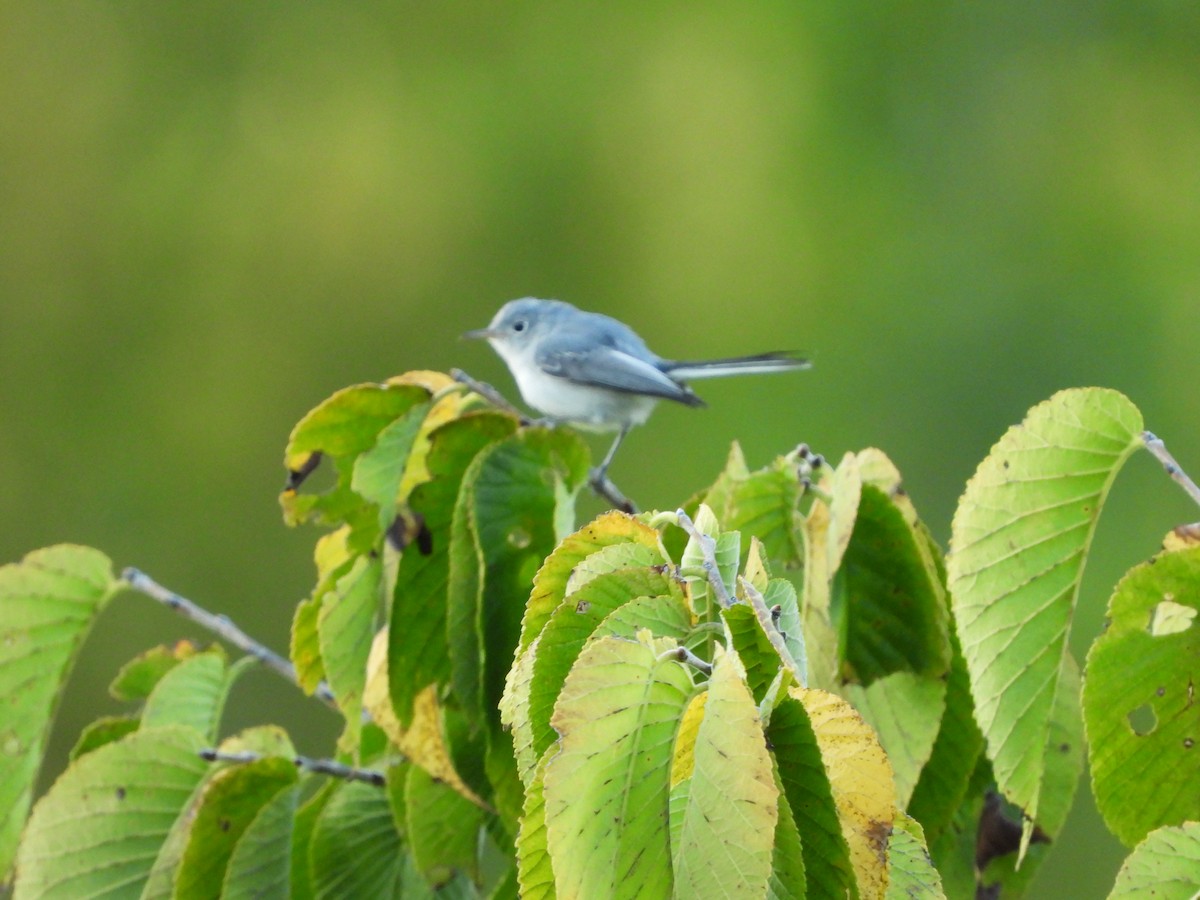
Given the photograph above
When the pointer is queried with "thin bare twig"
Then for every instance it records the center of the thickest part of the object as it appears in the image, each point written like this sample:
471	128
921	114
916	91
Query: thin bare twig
221	626
1160	452
329	767
708	548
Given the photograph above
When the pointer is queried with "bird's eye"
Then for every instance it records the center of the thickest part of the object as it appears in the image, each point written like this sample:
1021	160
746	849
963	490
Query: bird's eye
519	325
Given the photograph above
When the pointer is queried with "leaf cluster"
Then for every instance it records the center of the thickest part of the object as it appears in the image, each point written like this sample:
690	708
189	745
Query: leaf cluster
782	689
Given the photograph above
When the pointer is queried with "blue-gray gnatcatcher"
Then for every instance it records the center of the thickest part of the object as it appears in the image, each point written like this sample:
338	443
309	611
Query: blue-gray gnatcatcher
591	370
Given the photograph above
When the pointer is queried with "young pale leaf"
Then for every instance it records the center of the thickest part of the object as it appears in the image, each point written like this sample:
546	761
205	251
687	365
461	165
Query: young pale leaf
910	870
606	789
441	828
345	629
550	583
535	874
905	709
1018	544
98	829
810	796
48	602
861	779
418	653
827	530
355	850
192	694
259	868
230	801
1139	700
1164	866
727	833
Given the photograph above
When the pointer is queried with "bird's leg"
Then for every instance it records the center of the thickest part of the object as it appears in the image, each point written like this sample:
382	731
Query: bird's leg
599	481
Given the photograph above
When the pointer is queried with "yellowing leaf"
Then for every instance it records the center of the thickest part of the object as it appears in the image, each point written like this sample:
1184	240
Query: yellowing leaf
683	761
861	778
423	742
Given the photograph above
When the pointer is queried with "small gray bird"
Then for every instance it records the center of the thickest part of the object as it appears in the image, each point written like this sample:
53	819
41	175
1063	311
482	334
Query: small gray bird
591	370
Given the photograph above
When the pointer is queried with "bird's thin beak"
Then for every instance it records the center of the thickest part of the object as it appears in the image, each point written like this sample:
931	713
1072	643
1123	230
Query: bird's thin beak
479	334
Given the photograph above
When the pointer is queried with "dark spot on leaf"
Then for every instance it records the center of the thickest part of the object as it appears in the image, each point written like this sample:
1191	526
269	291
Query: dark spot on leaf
583	606
224	824
120	793
1162	691
1064	747
296	477
424	537
1188	743
1005	463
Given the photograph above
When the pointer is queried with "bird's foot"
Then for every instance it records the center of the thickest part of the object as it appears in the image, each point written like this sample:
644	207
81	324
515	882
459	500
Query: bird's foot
603	486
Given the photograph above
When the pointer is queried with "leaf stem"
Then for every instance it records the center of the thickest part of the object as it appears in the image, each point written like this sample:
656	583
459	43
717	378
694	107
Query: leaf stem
329	767
222	627
708	548
1159	450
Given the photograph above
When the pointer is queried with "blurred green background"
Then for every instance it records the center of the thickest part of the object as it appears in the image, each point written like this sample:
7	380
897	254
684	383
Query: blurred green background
214	215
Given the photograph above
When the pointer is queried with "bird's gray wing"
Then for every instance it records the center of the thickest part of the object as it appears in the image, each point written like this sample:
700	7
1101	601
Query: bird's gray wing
608	367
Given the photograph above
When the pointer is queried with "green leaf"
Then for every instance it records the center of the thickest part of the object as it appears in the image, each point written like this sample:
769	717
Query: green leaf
300	880
910	870
761	503
345	628
138	677
103	731
342	427
753	647
418	651
48	602
306	645
442	829
98	829
1164	866
230	801
259	868
810	796
563	638
513	494
1018	544
788	880
550	583
355	850
894	606
905	709
942	786
535	874
192	694
1139	700
378	471
727	833
664	616
606	789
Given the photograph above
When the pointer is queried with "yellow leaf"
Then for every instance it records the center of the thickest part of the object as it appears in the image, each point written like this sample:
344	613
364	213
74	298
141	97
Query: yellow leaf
860	775
423	742
685	739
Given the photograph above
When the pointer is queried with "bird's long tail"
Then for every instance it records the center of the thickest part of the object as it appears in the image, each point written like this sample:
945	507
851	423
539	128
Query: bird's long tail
690	370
